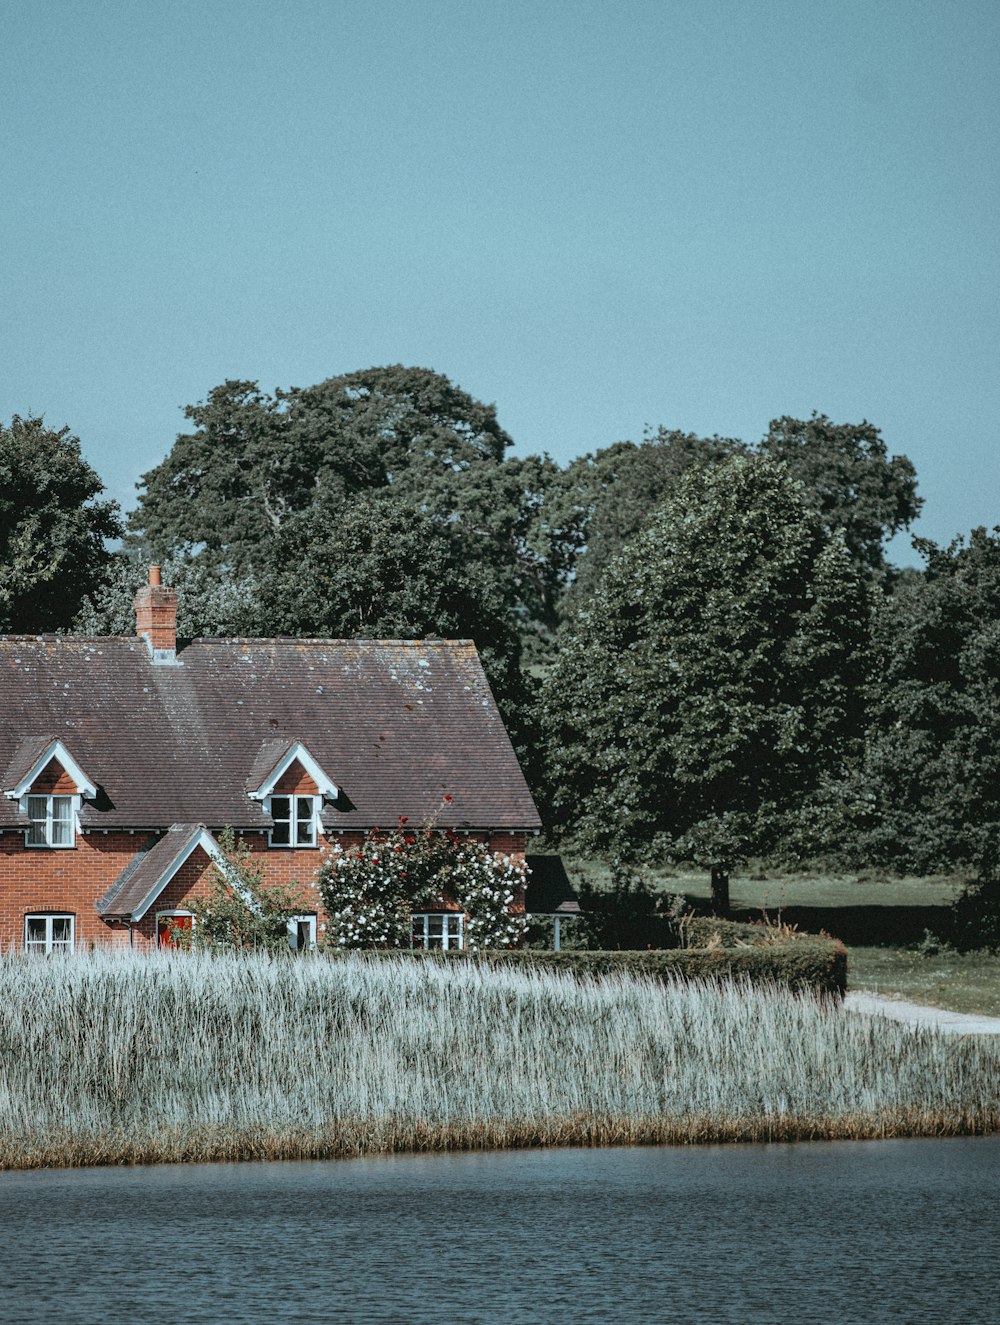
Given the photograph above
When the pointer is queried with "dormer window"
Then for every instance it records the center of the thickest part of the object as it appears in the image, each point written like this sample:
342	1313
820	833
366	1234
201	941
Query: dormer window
294	821
51	821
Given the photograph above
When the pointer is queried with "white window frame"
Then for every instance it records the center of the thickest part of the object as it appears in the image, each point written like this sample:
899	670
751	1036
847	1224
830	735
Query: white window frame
452	930
308	918
292	821
50	945
47	824
165	915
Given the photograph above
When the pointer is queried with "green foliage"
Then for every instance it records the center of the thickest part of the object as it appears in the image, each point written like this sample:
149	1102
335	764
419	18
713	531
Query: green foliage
716	679
932	773
254	461
629	914
370	891
848	477
53	527
602	500
210	600
242	912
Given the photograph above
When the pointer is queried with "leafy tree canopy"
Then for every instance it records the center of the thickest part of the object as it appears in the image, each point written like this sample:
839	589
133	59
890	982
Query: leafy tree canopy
714	679
933	765
210	600
603	499
53	526
255	460
850	479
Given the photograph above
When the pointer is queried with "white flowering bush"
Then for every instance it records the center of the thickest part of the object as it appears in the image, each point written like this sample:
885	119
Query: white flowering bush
370	891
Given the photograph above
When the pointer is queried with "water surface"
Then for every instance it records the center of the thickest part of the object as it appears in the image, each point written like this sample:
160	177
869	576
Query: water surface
898	1231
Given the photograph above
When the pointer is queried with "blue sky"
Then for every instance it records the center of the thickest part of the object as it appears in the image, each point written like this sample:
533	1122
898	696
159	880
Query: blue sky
598	216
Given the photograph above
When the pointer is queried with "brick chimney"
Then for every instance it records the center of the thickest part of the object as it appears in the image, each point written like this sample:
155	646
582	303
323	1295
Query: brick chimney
156	618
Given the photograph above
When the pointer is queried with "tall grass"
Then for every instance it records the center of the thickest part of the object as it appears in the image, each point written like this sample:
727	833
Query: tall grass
109	1059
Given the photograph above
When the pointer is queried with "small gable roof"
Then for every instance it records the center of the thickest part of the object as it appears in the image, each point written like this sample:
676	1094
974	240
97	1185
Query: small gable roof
549	891
147	874
274	760
400	725
32	756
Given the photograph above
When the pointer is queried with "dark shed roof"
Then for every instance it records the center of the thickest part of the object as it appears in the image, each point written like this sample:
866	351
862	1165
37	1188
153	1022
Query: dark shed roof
549	891
397	725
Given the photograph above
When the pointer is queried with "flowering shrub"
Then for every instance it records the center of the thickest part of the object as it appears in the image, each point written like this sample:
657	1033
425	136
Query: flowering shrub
370	891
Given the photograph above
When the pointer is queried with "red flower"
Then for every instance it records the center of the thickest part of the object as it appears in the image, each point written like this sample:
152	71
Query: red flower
448	800
404	818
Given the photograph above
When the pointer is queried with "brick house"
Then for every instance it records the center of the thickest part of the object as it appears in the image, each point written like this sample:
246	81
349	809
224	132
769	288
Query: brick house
123	757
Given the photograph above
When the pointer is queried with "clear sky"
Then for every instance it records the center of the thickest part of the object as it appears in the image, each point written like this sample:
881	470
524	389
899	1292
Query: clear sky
599	216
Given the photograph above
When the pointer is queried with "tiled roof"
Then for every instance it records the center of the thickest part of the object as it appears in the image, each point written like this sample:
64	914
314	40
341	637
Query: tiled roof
29	750
397	725
150	869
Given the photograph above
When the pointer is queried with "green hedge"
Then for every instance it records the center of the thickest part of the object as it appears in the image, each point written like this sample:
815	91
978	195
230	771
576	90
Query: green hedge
805	962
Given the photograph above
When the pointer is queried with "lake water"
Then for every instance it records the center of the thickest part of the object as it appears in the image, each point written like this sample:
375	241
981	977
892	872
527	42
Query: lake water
831	1233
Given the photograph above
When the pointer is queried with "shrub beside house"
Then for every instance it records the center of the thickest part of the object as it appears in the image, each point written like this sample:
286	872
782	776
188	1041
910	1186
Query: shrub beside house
123	758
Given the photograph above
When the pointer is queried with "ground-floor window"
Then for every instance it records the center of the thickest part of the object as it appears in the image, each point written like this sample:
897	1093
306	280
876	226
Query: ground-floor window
302	933
49	933
436	929
169	927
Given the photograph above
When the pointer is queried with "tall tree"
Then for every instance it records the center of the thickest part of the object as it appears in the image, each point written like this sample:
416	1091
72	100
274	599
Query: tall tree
53	526
933	767
714	680
255	463
255	460
851	480
603	499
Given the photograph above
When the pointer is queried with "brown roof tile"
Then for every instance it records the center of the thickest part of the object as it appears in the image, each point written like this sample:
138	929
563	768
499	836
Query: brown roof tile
397	725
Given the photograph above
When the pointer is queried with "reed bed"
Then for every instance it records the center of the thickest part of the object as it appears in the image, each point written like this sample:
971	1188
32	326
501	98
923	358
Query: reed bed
120	1059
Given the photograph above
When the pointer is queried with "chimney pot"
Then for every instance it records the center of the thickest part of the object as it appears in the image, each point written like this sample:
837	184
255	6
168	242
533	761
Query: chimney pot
156	618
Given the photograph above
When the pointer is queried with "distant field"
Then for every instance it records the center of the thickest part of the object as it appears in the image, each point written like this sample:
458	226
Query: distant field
882	920
774	891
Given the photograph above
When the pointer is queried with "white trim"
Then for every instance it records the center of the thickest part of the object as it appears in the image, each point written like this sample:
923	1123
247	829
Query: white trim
449	940
48	917
324	786
49	797
204	840
293	843
54	750
307	918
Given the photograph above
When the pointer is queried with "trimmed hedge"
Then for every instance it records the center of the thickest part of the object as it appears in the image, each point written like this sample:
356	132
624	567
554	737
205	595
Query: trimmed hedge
805	962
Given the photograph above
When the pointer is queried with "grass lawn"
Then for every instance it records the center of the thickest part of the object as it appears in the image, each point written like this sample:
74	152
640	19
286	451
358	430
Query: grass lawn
968	982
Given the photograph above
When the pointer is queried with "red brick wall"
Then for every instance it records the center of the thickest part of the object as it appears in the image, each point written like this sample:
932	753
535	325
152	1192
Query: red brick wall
295	781
53	781
38	879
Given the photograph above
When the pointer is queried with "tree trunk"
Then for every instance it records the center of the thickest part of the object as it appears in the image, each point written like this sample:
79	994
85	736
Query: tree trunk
720	892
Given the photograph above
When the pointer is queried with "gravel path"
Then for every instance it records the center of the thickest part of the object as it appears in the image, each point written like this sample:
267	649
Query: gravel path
915	1014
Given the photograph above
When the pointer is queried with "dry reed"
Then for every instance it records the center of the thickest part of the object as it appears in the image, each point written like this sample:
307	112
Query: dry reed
119	1059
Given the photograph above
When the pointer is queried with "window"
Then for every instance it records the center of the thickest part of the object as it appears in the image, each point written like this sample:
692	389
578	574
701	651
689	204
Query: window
302	933
51	821
48	934
294	821
436	929
168	925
